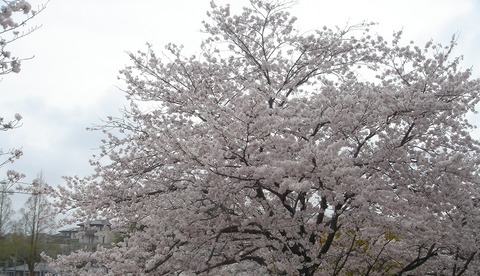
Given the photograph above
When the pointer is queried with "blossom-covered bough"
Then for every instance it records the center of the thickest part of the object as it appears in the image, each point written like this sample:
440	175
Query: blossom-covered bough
14	16
12	28
335	152
9	33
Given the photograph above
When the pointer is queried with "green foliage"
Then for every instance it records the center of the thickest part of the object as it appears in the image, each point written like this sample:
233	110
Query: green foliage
19	246
14	246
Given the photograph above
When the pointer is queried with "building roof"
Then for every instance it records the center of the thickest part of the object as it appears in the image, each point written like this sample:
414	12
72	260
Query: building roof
71	229
95	222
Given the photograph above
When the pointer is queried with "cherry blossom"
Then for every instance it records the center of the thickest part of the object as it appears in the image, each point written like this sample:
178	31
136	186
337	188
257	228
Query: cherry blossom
332	152
13	17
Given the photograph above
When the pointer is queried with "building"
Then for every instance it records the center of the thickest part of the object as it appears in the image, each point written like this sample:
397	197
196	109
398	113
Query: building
41	269
68	234
86	236
95	232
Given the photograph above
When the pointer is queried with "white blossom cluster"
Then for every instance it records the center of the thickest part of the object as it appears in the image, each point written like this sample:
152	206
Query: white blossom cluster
13	16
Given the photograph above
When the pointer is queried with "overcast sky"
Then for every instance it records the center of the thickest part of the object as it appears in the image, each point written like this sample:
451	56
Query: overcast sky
71	83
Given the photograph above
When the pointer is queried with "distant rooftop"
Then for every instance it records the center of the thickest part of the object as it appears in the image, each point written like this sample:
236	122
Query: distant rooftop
71	229
95	222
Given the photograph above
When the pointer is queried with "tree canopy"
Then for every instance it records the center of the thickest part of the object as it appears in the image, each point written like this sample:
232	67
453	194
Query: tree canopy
332	152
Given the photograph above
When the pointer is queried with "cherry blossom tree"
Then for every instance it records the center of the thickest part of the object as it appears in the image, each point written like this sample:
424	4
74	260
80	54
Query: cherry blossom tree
14	16
333	152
